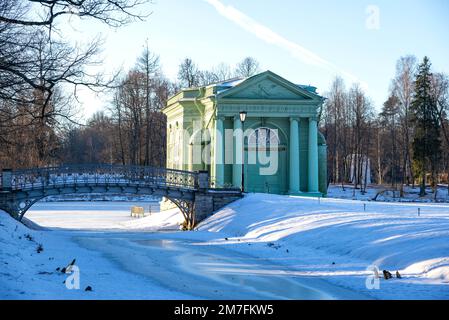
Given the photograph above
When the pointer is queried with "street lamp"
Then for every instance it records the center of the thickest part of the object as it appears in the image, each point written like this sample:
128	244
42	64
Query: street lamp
242	120
243	116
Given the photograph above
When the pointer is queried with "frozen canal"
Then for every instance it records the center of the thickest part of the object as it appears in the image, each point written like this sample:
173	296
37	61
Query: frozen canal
205	271
187	264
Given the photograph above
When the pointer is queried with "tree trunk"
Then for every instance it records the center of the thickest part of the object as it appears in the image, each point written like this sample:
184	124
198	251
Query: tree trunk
379	163
120	136
422	190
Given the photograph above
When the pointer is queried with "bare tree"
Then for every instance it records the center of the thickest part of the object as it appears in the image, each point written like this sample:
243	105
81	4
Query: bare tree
115	13
440	92
361	114
207	77
222	71
335	129
403	88
389	121
350	130
189	75
148	64
247	67
92	143
136	112
27	25
219	73
38	64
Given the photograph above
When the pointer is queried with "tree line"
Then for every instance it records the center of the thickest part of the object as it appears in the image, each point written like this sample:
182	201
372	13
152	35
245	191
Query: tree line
406	143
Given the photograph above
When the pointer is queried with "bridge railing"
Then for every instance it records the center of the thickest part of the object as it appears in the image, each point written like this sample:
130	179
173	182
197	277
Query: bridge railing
79	175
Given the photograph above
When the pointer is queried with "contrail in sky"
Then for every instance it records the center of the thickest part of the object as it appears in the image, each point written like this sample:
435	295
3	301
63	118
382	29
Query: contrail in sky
266	34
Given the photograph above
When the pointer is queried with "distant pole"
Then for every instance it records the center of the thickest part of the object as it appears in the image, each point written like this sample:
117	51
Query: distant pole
419	212
364	207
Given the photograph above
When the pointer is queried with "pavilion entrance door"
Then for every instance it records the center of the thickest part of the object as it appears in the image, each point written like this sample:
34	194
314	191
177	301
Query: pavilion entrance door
265	163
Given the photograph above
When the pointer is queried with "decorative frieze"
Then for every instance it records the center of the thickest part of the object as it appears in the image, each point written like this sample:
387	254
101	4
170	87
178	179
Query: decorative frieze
268	110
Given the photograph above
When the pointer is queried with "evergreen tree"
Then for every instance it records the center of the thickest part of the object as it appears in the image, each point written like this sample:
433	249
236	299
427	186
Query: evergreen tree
426	142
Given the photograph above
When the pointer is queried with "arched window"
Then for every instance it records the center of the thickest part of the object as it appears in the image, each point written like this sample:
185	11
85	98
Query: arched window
264	137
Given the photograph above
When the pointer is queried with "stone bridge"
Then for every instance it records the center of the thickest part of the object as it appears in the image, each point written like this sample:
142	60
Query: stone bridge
189	191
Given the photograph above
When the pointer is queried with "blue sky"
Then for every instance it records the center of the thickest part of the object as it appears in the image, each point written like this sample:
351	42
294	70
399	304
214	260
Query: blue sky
307	42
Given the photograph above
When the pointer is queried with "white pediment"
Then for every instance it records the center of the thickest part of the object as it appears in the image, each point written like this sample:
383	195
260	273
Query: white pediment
268	86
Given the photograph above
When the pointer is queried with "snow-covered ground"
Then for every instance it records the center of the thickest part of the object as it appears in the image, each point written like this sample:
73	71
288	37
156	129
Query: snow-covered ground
263	246
27	274
102	215
410	238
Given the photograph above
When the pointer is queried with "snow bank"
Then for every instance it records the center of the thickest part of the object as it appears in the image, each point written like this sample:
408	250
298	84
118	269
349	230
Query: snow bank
26	273
389	235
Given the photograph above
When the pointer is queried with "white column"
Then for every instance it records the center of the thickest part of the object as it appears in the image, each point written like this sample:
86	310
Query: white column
238	153
294	184
218	152
313	155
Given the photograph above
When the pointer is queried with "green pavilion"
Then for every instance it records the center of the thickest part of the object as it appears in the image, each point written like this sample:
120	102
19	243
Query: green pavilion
205	131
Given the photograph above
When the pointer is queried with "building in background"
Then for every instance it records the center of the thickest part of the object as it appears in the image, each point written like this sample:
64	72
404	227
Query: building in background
204	132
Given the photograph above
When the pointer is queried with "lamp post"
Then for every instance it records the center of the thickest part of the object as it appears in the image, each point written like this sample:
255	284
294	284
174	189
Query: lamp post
242	120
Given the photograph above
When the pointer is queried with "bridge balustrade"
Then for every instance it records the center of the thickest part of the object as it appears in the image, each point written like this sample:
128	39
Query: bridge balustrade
78	175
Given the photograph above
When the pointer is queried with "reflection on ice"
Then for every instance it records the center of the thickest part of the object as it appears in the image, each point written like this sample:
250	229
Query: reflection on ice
238	274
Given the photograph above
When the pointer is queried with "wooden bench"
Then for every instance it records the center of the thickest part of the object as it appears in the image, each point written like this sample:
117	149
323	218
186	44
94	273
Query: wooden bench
137	212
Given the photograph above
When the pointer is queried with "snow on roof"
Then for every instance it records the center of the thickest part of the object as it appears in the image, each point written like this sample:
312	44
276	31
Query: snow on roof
231	82
308	88
228	84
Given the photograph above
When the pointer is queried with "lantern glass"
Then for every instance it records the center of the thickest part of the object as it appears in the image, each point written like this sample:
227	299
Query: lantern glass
243	116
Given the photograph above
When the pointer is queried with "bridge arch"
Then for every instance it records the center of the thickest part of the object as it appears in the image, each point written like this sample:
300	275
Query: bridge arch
20	189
